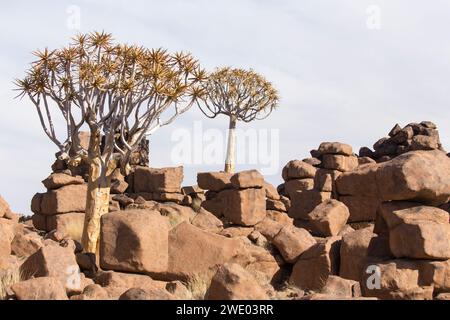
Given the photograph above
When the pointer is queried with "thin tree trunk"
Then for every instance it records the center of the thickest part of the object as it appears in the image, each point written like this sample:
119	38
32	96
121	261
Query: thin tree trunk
230	162
97	200
97	204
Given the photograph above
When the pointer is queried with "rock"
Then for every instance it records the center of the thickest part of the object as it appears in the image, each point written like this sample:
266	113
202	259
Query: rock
134	241
295	185
392	280
164	180
39	221
271	191
58	180
25	244
419	175
178	290
420	233
297	169
232	282
119	187
280	217
236	232
323	182
359	182
302	203
340	287
275	205
175	213
4	207
443	296
193	251
335	148
403	135
71	198
116	283
292	242
247	179
92	292
316	264
214	181
53	260
365	160
140	294
422	142
353	253
328	218
365	152
312	161
339	162
207	221
44	288
396	129
361	208
68	225
245	207
269	228
6	237
404	177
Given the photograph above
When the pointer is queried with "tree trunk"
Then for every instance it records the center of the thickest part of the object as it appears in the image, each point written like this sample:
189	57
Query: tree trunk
230	162
97	200
97	204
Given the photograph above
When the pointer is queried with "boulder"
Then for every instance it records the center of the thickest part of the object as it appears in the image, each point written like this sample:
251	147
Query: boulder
421	233
269	228
303	202
53	260
393	280
328	218
44	288
214	181
134	241
193	251
58	180
316	264
422	176
71	198
340	287
25	244
116	283
207	221
335	148
247	179
297	169
361	208
271	191
295	185
245	207
232	282
339	162
163	180
353	253
141	294
275	205
292	242
6	237
92	292
68	225
4	207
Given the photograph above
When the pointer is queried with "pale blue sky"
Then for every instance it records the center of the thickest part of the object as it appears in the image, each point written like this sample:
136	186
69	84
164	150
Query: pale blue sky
339	80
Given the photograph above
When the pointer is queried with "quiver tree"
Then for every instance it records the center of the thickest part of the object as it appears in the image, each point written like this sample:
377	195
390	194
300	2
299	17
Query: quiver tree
242	96
119	92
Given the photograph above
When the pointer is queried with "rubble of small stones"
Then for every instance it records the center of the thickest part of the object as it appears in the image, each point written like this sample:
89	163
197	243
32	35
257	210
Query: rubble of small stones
341	226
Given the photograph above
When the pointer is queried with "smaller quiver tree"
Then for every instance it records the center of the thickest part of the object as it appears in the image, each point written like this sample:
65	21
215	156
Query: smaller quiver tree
242	95
119	92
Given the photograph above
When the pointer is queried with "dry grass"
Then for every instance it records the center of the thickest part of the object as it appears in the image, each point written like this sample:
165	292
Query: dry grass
8	278
199	283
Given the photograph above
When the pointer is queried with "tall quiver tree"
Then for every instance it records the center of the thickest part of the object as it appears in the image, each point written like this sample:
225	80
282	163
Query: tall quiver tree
121	92
242	95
